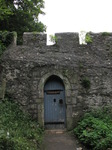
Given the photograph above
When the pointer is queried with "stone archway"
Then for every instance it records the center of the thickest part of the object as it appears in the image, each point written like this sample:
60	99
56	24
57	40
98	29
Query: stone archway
41	95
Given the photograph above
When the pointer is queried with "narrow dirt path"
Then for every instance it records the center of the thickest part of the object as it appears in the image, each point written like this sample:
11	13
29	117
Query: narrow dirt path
60	141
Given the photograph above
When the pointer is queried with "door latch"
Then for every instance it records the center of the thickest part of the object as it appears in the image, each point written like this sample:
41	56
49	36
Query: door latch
61	101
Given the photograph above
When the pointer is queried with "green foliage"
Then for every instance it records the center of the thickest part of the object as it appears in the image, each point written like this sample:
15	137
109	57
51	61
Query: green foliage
88	38
5	40
53	39
17	130
23	17
105	33
5	11
86	83
95	129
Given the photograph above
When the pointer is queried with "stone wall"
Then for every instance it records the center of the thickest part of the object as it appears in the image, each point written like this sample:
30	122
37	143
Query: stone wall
86	72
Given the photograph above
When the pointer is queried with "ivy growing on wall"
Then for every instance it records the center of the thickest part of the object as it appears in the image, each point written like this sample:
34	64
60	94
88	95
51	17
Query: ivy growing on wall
86	83
6	39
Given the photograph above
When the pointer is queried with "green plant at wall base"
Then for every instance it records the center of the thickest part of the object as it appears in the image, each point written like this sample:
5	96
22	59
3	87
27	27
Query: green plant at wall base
53	39
88	38
86	83
95	129
17	130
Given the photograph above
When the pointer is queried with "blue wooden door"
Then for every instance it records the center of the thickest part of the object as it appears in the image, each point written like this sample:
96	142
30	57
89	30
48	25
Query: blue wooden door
54	102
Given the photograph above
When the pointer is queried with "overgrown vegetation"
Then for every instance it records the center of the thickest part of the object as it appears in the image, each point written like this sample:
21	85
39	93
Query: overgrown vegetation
105	34
21	16
17	130
86	82
53	39
5	40
95	129
88	38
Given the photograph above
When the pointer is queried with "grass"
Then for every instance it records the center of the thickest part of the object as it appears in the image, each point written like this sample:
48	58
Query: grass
17	130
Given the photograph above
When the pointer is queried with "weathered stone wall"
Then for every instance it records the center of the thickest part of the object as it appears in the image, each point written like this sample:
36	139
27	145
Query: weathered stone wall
86	71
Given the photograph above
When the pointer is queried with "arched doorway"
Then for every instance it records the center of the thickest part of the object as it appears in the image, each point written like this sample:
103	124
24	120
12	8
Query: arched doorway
54	103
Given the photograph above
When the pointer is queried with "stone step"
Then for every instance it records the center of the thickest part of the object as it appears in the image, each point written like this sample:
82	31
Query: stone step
57	131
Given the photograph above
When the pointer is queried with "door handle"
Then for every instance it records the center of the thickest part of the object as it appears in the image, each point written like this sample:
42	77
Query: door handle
61	101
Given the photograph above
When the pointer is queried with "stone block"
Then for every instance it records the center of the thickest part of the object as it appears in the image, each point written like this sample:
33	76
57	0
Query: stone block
69	111
34	39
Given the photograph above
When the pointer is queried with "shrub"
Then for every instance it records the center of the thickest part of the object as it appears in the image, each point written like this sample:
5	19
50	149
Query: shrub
95	130
17	130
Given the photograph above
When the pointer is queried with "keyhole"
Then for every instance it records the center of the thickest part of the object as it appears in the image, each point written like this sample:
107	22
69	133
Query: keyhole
54	100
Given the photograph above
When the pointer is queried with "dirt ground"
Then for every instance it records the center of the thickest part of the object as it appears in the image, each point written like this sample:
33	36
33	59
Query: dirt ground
58	140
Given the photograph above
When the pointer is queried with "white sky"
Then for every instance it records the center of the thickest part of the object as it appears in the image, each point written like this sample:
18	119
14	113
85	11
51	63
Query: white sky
77	15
